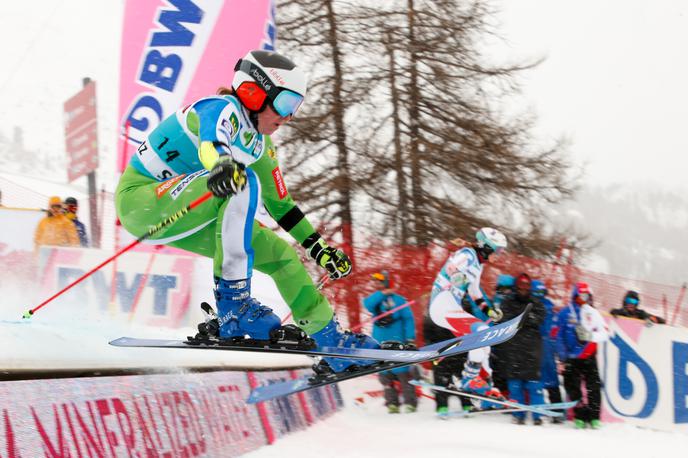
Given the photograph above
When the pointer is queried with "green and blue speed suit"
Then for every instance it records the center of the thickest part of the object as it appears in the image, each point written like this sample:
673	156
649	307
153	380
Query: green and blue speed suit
170	170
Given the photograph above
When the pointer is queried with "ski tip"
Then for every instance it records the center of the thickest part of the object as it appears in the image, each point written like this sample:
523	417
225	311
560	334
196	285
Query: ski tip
119	342
522	321
253	398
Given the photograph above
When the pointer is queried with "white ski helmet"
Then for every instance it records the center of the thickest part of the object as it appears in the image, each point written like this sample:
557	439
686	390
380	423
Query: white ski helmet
490	241
263	77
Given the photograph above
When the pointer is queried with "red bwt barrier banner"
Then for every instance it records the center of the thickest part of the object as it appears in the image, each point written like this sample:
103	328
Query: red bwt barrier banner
175	415
154	288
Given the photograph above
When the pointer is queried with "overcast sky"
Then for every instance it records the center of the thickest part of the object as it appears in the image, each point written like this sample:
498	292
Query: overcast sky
614	80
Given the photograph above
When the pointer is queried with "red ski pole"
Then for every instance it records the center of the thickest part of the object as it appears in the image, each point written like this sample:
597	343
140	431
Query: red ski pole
152	231
384	314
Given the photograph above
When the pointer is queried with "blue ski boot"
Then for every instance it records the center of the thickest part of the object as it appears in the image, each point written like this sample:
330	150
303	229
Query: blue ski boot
472	382
239	314
332	335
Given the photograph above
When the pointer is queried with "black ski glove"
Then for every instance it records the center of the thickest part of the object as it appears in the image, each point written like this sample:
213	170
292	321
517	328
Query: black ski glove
493	313
335	261
227	177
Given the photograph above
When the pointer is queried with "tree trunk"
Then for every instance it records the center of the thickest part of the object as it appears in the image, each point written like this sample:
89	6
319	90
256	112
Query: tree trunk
402	216
420	224
344	173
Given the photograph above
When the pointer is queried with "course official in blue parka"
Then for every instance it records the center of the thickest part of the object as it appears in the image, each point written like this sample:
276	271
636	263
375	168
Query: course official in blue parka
398	326
580	327
548	369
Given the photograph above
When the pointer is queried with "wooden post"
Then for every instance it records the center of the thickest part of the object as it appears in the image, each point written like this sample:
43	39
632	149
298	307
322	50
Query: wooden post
93	199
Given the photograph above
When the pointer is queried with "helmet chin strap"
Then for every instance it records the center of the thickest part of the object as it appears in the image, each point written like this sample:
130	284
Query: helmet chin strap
483	254
253	117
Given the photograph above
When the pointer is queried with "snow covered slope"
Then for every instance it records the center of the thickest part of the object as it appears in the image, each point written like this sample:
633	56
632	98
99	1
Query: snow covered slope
371	432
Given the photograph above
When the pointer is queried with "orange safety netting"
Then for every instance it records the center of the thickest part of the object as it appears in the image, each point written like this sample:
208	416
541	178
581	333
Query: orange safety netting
413	270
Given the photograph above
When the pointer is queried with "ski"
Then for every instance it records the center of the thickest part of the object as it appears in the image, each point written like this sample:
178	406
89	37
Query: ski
487	337
474	410
504	402
410	356
471	412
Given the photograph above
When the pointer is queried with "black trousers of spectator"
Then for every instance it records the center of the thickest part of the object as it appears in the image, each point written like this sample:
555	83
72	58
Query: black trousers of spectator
499	379
442	376
584	370
408	391
554	395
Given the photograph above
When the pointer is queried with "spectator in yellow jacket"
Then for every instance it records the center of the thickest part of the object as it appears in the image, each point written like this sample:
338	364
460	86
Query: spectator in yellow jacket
55	229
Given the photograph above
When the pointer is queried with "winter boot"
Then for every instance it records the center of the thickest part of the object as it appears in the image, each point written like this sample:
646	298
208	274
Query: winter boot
579	424
332	335
408	408
595	424
443	413
392	408
239	314
472	382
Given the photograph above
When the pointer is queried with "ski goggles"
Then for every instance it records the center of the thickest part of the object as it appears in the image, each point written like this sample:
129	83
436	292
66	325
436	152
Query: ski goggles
632	301
585	297
286	103
256	94
382	277
494	249
540	291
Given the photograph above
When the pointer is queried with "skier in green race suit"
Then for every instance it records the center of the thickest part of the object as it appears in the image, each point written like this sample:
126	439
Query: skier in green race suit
221	143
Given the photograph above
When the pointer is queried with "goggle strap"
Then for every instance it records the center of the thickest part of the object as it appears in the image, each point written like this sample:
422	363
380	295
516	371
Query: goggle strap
264	82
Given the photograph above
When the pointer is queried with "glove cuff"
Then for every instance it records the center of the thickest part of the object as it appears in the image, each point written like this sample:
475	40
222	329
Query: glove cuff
314	245
310	240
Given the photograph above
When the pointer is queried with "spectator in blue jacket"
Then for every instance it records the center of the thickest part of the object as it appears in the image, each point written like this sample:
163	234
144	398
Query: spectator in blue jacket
580	327
396	326
548	368
72	207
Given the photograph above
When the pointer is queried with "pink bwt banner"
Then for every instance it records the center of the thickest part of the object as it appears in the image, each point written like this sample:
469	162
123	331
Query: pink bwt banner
177	51
165	416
